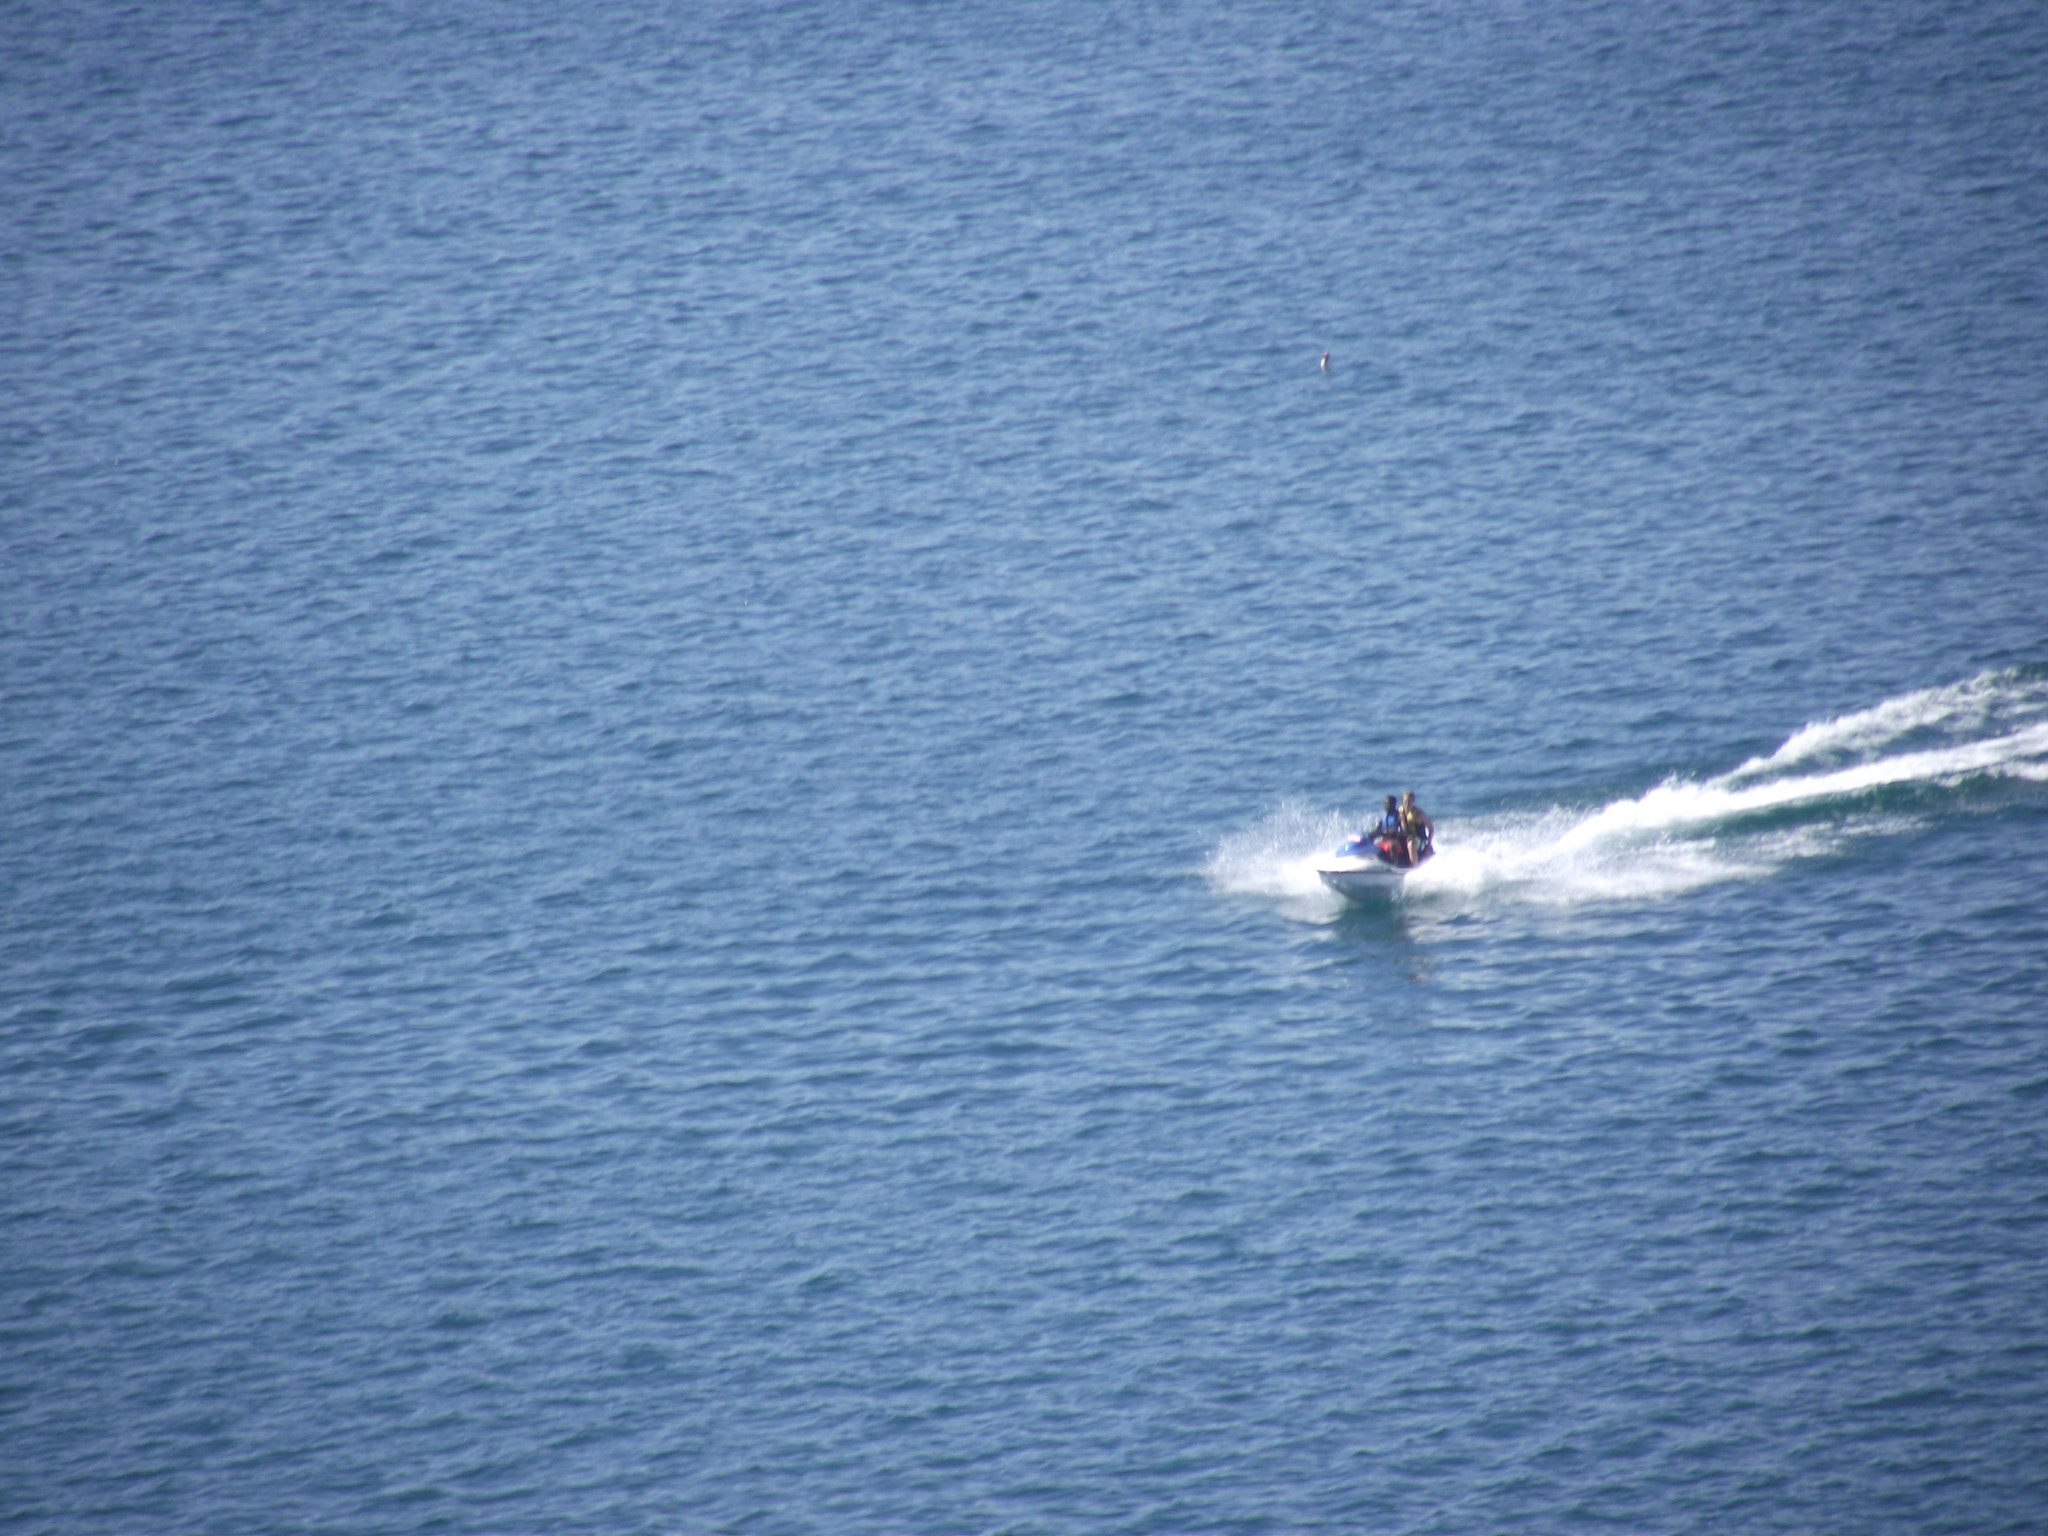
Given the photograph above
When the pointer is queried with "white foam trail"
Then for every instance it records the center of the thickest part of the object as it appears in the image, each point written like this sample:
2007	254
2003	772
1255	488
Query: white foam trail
1800	802
1676	806
1977	708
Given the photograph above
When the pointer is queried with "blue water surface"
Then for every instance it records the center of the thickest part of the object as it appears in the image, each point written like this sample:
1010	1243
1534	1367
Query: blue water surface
671	677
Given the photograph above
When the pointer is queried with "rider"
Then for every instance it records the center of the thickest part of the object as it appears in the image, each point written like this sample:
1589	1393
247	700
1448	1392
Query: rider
1414	825
1387	833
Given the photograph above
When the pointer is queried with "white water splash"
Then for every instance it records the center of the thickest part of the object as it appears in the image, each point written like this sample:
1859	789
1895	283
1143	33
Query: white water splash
1278	856
1981	711
1807	799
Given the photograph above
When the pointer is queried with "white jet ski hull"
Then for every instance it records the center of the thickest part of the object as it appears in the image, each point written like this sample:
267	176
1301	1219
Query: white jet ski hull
1356	869
1361	878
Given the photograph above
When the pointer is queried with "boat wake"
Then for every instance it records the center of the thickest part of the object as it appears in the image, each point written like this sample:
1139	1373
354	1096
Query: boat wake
1879	771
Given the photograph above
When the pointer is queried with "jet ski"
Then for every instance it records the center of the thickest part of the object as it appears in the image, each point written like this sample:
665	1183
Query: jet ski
1365	866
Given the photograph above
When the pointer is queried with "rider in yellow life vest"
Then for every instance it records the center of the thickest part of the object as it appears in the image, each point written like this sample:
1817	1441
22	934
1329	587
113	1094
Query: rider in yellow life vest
1417	828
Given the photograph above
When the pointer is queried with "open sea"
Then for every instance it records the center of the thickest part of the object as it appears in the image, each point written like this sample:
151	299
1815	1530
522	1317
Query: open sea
670	678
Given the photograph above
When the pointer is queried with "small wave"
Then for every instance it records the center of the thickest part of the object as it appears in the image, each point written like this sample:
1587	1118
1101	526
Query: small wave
1833	782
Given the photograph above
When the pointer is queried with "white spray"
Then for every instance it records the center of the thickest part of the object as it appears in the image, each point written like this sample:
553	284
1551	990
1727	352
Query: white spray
1684	834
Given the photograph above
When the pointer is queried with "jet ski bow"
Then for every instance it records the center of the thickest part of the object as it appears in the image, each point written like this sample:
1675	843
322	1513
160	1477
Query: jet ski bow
1364	867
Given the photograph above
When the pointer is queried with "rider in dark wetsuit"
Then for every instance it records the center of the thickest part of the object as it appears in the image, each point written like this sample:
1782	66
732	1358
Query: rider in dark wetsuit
1387	835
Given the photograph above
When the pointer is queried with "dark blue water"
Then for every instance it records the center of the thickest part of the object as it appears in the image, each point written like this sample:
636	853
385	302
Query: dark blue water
670	678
